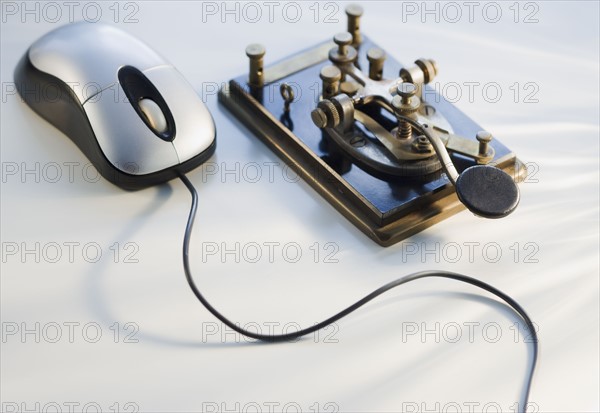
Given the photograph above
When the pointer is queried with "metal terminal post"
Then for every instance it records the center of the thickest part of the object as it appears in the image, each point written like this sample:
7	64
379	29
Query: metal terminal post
344	52
376	58
354	13
255	53
331	76
484	138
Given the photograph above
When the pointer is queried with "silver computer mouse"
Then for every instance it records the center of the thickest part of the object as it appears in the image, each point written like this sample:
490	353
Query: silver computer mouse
129	111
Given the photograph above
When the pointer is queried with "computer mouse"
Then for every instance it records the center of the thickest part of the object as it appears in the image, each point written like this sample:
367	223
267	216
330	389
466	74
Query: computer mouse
133	115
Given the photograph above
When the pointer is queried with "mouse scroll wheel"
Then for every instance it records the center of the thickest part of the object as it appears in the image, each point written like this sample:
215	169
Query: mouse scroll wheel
154	115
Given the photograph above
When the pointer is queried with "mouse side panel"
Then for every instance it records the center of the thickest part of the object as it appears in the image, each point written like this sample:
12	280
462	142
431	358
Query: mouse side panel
54	100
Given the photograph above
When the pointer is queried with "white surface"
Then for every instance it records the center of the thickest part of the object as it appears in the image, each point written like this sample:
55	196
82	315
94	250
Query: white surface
372	367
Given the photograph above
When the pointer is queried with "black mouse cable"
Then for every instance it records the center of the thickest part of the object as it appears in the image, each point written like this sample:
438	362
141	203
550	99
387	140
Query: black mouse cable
412	277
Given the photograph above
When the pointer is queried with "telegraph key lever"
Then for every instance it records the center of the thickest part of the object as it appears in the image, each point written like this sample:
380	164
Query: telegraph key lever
485	190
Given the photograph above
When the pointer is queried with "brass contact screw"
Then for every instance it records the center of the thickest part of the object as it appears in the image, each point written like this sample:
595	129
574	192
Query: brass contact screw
405	103
404	130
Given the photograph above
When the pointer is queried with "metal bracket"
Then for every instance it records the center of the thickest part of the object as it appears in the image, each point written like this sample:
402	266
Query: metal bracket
467	147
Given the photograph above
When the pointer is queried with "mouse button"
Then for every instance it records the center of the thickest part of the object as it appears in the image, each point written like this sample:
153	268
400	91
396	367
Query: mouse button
195	126
127	143
87	56
153	114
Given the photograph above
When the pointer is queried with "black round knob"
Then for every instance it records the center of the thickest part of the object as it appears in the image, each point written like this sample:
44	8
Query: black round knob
487	191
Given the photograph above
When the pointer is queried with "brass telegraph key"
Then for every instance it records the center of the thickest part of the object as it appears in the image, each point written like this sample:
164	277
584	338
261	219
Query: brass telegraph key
375	139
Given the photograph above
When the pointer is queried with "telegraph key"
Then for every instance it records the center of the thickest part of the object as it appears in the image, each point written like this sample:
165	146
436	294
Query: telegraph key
372	137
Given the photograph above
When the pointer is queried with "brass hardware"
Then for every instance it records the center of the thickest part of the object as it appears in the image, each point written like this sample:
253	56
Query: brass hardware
343	40
335	112
484	138
376	58
354	12
405	103
325	115
402	150
349	87
422	73
345	106
467	147
287	93
359	135
331	76
408	102
365	91
429	68
422	144
255	53
344	52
